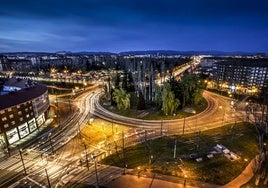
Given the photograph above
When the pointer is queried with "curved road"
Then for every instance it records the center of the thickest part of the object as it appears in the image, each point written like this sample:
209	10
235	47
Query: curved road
218	113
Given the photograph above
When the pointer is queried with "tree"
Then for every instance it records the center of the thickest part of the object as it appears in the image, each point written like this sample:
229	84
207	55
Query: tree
197	97
141	102
188	89
261	125
117	81
158	96
125	81
170	103
121	98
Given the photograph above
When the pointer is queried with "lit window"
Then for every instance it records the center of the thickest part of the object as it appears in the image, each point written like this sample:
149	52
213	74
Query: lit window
13	122
6	126
19	112
2	112
4	118
21	119
11	116
9	110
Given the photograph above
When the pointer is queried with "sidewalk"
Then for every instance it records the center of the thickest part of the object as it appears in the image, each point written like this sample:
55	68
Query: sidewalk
243	178
131	181
154	180
162	181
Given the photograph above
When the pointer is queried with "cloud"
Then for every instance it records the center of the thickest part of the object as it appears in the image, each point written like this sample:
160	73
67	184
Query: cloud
122	24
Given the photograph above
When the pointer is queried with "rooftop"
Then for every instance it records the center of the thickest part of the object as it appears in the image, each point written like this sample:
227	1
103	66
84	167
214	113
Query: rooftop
26	93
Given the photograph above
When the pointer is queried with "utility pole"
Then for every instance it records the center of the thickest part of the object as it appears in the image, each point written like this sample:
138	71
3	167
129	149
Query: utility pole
20	150
183	126
96	170
124	154
49	185
51	144
161	130
86	155
175	148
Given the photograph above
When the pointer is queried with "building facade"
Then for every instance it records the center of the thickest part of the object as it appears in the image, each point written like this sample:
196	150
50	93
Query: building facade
245	75
23	109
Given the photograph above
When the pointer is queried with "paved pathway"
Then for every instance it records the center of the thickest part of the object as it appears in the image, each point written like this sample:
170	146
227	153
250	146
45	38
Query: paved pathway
161	181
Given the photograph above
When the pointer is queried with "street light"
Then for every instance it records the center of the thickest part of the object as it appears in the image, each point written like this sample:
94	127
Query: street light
220	107
20	150
195	120
86	153
49	185
184	121
185	177
51	144
96	172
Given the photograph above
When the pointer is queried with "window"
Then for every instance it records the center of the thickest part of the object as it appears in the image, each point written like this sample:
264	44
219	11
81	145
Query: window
19	112
11	116
9	110
2	112
6	126
21	119
4	118
13	122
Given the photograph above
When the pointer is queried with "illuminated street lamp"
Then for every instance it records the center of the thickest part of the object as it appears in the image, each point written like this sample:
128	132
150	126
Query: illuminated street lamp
96	170
220	107
49	185
185	178
51	144
22	161
86	153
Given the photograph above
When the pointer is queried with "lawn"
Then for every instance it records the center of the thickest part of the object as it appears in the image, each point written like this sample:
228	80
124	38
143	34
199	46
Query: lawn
158	155
152	113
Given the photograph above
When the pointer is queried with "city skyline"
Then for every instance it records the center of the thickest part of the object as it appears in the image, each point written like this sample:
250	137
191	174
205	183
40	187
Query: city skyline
116	26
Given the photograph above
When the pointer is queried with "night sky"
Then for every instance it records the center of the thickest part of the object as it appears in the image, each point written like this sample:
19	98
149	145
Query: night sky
125	25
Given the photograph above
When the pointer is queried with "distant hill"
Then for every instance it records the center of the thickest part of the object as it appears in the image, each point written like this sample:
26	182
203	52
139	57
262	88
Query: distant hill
173	52
145	52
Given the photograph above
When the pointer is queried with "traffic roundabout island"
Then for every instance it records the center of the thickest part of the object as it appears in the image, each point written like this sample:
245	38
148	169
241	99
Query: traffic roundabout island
193	137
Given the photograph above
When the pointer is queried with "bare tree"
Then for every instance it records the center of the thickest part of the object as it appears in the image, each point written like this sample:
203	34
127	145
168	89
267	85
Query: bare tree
260	123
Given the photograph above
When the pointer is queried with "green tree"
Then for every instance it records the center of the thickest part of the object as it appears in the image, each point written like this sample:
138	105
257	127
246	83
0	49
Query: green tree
158	96
141	102
117	81
125	81
197	97
188	89
121	98
170	103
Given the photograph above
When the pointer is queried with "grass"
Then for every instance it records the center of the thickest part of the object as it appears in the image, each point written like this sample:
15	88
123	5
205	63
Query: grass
240	140
152	113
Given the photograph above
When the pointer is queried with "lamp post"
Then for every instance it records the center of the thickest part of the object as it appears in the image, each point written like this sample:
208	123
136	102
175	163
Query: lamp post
124	154
51	144
20	150
85	146
220	107
49	185
185	178
195	120
183	126
96	172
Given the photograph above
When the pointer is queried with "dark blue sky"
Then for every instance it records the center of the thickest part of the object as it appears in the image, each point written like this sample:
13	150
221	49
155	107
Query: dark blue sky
124	25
